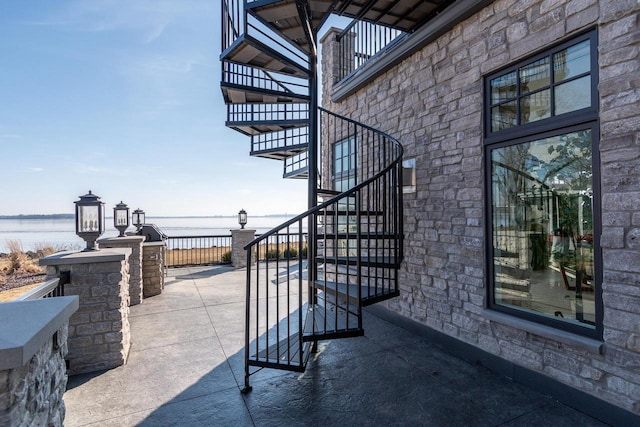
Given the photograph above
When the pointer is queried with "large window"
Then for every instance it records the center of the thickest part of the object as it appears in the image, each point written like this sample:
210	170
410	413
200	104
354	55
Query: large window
541	136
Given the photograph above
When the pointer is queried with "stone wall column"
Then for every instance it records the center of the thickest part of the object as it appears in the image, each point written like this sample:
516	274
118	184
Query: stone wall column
99	335
239	239
135	262
153	268
331	70
33	375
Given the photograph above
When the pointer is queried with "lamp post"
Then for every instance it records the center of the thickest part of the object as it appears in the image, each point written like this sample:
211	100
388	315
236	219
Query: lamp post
242	218
121	218
138	219
89	219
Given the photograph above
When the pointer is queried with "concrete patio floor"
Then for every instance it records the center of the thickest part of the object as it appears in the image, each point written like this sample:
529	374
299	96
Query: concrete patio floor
186	368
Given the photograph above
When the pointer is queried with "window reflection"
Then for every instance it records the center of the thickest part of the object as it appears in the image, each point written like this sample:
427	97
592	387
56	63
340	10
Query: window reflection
572	61
573	95
542	208
531	87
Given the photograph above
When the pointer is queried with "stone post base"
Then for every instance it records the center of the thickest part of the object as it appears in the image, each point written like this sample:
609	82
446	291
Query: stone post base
153	268
239	239
99	336
135	262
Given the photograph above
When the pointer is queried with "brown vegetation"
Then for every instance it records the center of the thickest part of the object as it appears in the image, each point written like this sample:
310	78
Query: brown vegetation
222	254
20	268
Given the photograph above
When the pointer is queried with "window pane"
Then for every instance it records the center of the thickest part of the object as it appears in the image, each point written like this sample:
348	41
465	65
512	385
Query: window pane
503	88
572	61
536	106
542	227
344	164
503	116
535	76
409	175
573	95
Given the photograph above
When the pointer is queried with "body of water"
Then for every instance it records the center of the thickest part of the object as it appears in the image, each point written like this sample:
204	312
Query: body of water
60	232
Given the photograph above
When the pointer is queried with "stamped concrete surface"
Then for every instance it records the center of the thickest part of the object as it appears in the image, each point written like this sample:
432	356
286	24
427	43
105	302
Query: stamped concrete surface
185	368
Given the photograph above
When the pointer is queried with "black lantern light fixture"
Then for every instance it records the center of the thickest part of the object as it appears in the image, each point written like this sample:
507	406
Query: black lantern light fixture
137	218
89	219
121	218
242	218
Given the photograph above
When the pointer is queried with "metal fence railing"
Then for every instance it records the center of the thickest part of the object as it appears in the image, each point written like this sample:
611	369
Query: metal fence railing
50	288
197	250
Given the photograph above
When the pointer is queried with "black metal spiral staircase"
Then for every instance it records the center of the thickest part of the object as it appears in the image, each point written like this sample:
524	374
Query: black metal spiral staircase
303	287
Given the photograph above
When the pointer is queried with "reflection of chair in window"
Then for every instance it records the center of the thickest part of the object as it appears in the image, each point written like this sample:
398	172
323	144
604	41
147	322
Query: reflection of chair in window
586	285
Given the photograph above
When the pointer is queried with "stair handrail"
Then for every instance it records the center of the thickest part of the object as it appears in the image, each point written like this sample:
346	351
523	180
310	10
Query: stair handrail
344	194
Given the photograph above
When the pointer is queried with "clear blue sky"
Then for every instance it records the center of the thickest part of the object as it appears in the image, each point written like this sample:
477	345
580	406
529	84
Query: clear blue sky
122	97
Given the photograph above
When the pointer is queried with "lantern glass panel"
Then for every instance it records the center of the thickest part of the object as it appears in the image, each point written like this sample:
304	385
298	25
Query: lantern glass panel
88	219
121	217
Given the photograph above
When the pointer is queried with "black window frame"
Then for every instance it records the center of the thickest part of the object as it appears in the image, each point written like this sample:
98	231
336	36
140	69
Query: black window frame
586	118
352	172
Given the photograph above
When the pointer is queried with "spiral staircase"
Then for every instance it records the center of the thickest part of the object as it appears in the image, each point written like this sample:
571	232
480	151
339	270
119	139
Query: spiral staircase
303	287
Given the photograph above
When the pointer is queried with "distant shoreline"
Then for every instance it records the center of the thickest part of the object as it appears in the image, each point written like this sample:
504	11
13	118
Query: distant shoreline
72	216
32	216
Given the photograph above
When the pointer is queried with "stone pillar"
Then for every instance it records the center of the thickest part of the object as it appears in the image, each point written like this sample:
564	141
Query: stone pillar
33	375
332	65
332	68
99	336
239	239
135	262
152	268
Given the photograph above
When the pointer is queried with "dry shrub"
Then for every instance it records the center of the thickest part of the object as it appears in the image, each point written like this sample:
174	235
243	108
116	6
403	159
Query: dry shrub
19	262
45	249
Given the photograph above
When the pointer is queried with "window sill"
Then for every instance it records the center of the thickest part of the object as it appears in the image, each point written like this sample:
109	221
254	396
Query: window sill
583	343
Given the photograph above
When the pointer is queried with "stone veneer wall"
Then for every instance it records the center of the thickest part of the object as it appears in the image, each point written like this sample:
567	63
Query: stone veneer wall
239	239
432	102
135	263
31	395
99	334
152	268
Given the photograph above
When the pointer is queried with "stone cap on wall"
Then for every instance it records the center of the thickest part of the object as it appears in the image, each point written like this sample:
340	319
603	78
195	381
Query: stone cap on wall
123	239
89	257
26	325
153	244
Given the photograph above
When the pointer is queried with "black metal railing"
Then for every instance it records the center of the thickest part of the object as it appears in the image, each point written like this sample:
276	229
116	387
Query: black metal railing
296	165
185	251
233	18
243	75
267	113
293	137
49	289
360	41
237	22
355	241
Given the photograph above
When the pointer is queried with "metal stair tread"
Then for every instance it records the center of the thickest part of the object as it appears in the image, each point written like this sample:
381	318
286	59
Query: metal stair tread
260	95
280	153
281	16
249	127
362	236
350	292
325	320
383	262
247	50
342	212
281	355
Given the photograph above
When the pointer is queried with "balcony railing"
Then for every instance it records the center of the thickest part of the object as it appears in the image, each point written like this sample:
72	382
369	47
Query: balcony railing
360	42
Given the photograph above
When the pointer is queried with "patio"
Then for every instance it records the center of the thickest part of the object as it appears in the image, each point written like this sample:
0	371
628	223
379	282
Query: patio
186	367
